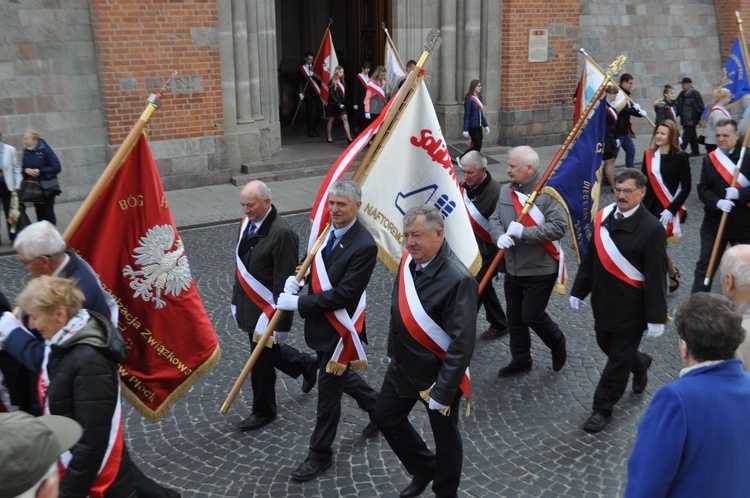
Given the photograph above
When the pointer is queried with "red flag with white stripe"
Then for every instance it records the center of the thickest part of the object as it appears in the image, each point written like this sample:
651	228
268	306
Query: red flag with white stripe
325	62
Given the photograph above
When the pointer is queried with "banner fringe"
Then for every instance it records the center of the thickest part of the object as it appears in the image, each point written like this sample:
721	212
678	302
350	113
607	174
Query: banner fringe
359	365
257	336
156	415
335	368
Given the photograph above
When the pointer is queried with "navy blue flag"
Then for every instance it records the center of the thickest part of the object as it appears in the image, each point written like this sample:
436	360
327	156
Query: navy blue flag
575	182
734	77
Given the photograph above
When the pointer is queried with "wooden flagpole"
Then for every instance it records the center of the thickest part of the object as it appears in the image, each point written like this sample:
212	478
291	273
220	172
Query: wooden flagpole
271	326
612	70
745	141
307	82
154	102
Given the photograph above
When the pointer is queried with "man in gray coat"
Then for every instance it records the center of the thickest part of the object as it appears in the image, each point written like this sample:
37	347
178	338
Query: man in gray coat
531	260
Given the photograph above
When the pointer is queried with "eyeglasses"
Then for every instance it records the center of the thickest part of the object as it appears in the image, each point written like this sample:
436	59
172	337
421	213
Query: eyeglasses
626	191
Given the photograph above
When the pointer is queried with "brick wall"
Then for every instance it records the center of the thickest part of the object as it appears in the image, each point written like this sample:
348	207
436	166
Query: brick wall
726	23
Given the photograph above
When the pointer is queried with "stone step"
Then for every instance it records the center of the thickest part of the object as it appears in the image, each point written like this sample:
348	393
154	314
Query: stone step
262	167
284	174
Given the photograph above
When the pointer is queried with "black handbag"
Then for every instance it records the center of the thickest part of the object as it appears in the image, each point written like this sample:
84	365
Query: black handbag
31	191
702	139
50	187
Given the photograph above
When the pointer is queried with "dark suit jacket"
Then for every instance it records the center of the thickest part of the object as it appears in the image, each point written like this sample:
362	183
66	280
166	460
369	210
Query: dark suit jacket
619	307
484	197
271	257
711	188
87	281
675	171
349	265
448	293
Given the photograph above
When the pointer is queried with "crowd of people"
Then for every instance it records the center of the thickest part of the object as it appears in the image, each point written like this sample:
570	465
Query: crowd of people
59	354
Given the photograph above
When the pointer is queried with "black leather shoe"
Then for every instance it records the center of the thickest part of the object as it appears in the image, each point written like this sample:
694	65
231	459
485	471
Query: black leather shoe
310	376
493	333
254	422
559	355
371	430
514	368
310	469
640	379
417	486
596	422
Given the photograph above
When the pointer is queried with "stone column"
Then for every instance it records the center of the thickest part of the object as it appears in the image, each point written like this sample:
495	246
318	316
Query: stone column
241	70
448	53
472	43
255	23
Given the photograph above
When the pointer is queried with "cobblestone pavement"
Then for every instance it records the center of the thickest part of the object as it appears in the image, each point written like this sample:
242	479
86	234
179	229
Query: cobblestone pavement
522	439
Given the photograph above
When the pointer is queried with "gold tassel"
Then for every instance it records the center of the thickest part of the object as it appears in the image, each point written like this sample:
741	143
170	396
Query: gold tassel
335	368
257	336
425	395
359	365
673	239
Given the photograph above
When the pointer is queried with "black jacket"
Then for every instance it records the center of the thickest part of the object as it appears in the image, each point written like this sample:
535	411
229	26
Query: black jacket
675	172
623	117
711	188
690	107
43	158
448	293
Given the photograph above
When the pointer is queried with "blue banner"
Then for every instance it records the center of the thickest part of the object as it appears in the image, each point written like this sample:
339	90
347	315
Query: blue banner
734	78
574	182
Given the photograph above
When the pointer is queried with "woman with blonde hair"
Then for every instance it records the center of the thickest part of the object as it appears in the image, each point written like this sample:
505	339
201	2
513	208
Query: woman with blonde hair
722	97
667	168
375	98
41	164
336	104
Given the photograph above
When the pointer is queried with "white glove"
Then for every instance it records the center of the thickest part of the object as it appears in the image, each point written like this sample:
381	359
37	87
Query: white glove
367	115
643	113
355	107
434	405
501	275
679	139
637	106
291	286
654	330
515	229
666	217
466	134
725	205
505	241
234	314
342	106
287	302
617	143
575	303
280	337
732	193
302	96
8	323
487	129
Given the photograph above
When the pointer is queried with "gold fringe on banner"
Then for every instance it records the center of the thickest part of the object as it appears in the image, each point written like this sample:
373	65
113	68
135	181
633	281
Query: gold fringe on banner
156	415
257	336
335	368
425	395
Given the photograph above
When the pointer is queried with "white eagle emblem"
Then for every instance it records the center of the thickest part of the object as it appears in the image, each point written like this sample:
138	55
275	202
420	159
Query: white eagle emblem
164	266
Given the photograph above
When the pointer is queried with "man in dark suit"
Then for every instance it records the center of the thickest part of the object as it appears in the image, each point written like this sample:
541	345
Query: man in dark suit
718	197
309	93
339	276
689	109
431	340
625	271
266	254
480	193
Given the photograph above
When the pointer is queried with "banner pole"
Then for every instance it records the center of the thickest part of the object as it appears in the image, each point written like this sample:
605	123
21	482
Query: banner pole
307	81
572	137
154	102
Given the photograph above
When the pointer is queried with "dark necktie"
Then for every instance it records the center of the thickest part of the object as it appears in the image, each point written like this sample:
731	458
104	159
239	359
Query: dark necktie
329	245
251	229
618	215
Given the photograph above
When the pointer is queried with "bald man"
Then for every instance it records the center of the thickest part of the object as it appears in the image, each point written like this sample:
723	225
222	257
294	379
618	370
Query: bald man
735	284
266	255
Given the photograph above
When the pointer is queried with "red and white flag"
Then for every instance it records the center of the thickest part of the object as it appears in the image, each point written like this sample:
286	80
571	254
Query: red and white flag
130	240
325	63
414	168
394	68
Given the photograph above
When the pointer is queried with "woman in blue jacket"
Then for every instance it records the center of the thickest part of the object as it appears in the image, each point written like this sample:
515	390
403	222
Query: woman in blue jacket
474	118
40	163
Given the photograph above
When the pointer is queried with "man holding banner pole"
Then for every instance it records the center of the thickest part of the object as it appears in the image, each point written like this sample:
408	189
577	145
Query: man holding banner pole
430	344
534	261
266	254
334	313
480	192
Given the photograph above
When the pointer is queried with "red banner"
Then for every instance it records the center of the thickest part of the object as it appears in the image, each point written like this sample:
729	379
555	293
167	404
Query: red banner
325	62
130	239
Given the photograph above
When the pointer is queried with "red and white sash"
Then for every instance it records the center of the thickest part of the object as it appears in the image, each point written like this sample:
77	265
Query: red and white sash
258	293
478	103
110	466
342	90
363	79
611	257
376	89
554	248
419	324
653	169
723	111
672	112
612	112
725	167
479	223
349	350
309	75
